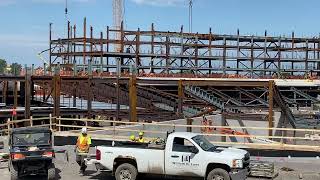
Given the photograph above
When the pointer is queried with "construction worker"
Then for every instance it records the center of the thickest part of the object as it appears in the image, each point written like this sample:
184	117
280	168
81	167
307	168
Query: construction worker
132	138
82	148
141	138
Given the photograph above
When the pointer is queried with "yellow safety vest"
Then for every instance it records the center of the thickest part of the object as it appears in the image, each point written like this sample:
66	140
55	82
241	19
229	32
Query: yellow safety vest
83	143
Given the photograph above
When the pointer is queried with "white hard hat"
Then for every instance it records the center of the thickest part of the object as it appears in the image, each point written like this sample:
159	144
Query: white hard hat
84	130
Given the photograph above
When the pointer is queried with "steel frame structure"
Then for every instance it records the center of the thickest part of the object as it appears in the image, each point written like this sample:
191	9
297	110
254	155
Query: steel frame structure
164	52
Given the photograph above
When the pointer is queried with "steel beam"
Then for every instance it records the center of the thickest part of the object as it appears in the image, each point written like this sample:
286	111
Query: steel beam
270	116
133	99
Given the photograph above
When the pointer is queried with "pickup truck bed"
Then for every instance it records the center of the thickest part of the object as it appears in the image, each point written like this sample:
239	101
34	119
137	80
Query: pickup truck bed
128	144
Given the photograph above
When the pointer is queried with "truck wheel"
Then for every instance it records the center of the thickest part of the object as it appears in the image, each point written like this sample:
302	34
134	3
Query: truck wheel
14	172
126	172
51	172
218	174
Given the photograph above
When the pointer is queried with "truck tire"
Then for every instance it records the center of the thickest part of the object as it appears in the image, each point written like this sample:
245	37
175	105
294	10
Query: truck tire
14	172
218	174
126	171
51	172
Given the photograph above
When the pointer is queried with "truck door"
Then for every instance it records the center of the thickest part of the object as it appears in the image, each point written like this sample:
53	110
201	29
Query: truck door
183	159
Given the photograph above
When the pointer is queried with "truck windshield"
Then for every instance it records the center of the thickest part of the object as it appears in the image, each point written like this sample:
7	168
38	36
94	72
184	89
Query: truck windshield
31	139
204	143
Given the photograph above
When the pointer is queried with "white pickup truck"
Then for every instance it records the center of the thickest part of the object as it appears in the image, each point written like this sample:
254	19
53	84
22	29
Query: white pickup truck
184	154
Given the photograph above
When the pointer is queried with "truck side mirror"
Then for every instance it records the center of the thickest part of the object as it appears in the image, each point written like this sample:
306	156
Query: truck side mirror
193	149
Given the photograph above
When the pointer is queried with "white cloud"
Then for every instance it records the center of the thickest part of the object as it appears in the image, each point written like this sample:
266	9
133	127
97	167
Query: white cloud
161	2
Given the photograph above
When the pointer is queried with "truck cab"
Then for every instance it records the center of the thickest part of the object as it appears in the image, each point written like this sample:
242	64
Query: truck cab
190	154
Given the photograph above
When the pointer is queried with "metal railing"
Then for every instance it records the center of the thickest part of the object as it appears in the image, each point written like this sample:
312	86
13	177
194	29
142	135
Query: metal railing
121	130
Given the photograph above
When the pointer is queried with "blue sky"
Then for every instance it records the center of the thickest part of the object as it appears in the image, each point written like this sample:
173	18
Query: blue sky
24	23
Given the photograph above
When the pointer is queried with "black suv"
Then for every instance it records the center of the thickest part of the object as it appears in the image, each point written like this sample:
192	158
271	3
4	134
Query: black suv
31	153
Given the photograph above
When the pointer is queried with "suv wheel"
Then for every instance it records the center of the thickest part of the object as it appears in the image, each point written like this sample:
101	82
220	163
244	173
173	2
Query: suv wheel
218	174
14	172
126	172
51	172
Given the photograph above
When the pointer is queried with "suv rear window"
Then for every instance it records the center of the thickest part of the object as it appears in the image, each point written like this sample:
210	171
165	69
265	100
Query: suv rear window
31	139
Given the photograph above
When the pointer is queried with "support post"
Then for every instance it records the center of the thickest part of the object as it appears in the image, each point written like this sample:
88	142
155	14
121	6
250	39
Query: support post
133	98
189	123
56	94
31	121
180	98
27	95
74	95
89	91
270	117
223	123
50	121
15	98
4	92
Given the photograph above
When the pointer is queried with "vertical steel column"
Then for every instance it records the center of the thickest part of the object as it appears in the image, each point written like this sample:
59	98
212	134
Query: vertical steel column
210	50
238	51
74	94
84	40
152	48
75	70
50	45
138	63
224	63
56	93
15	97
122	45
27	95
68	45
252	58
181	49
292	53
265	53
167	53
133	98
89	96
279	57
101	49
180	98
108	36
270	117
196	53
4	91
306	59
223	123
318	56
189	123
91	50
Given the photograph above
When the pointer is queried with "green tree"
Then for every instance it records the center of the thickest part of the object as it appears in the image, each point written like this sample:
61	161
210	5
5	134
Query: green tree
3	66
15	69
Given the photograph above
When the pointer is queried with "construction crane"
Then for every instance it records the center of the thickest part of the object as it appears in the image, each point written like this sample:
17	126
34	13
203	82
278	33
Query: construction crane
118	13
190	15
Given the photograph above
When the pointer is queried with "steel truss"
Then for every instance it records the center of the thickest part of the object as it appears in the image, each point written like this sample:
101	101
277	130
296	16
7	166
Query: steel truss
163	52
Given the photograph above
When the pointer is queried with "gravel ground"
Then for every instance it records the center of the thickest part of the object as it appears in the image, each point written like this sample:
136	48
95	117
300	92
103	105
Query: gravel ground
304	168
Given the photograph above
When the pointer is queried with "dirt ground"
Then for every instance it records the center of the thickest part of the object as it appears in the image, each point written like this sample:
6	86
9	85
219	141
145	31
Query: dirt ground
303	168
